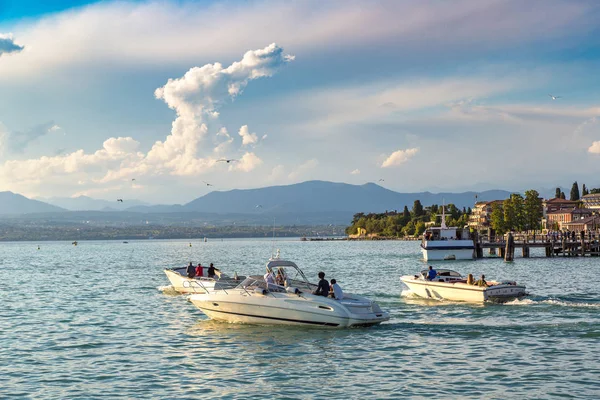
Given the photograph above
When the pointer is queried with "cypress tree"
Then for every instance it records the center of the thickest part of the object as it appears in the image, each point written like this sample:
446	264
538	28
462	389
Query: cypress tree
557	195
574	192
584	191
562	195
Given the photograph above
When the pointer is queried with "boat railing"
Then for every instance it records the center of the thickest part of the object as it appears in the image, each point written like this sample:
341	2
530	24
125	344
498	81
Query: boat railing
197	284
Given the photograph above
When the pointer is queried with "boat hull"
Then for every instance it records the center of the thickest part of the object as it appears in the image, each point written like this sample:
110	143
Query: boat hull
462	292
448	250
267	310
185	285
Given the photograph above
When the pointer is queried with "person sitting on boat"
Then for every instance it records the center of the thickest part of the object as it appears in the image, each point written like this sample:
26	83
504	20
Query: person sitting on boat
199	270
190	270
280	278
431	274
323	287
481	282
336	290
212	271
470	279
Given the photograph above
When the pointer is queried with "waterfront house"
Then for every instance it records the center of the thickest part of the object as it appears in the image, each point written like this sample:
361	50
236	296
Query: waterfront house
559	218
591	201
481	214
586	224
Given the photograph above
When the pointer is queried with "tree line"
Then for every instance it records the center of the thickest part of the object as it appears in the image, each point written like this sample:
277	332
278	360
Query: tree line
575	195
408	222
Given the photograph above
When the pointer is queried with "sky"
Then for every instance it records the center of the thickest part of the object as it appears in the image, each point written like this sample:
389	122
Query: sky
137	99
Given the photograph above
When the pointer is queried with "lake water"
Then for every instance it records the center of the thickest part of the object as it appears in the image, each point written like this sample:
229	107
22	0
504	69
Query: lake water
89	321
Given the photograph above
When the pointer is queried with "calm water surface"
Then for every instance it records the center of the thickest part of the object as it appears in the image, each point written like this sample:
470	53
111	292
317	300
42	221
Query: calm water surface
90	322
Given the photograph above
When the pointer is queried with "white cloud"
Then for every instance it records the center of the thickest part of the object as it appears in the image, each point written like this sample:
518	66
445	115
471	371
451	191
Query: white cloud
54	128
8	45
277	173
594	148
195	98
247	137
355	172
399	157
303	169
247	163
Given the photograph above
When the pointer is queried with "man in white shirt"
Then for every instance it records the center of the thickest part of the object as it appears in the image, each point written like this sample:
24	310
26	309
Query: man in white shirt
269	279
338	294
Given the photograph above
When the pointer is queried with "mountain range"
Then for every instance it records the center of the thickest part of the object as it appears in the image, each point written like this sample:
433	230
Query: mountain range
306	202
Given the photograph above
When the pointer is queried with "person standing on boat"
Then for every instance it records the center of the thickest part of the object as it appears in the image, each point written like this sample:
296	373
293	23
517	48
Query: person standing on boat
190	270
199	270
269	279
323	288
431	274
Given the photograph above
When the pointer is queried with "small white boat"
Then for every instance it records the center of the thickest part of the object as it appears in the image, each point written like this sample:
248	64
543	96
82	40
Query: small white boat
450	285
447	243
255	302
200	284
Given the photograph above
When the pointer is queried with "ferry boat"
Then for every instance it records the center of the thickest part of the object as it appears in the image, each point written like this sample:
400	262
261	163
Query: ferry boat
447	243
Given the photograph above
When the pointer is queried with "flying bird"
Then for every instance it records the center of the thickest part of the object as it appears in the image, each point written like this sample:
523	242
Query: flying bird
121	200
227	160
381	180
258	206
554	97
208	184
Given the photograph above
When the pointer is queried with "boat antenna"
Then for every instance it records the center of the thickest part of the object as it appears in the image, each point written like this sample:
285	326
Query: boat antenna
273	240
443	215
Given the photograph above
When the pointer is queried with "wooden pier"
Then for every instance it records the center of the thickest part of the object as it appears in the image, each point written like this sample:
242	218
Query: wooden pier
554	246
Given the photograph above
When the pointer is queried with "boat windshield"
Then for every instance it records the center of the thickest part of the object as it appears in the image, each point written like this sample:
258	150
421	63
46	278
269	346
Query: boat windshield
442	272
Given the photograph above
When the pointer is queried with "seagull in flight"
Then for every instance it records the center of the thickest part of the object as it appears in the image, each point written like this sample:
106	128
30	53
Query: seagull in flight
227	160
208	184
554	97
381	180
121	200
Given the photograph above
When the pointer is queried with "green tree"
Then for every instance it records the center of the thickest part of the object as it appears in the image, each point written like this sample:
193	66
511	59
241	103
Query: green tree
557	194
513	212
595	191
419	228
584	191
417	209
409	229
497	218
405	212
562	195
532	209
574	192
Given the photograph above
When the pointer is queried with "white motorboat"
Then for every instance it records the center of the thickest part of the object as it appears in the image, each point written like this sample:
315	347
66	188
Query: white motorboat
255	302
447	243
450	285
200	284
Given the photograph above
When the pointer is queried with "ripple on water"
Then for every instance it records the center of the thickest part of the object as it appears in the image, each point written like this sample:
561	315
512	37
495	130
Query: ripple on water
102	321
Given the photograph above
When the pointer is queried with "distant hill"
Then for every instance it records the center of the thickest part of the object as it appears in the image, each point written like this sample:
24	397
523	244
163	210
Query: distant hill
12	204
308	203
85	203
320	196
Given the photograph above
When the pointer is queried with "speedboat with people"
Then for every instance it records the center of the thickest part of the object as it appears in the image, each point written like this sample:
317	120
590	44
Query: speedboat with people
447	243
200	283
445	284
286	301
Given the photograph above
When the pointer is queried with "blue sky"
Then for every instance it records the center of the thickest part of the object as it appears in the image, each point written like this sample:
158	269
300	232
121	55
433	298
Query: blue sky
426	95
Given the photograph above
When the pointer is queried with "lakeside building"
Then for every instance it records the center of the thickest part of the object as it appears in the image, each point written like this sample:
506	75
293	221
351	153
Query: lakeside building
559	219
551	206
481	214
586	224
591	201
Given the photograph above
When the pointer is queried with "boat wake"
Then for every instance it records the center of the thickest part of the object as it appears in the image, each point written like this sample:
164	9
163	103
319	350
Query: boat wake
551	302
168	289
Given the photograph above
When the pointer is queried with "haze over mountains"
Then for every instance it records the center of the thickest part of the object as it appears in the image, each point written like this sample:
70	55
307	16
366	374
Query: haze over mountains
303	203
